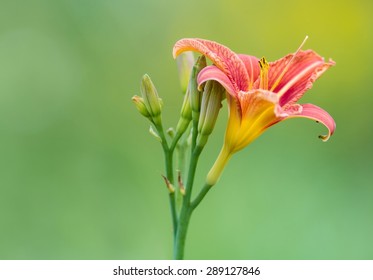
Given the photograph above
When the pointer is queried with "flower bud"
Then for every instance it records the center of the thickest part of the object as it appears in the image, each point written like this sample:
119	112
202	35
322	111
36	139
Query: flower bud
151	99
192	96
171	132
195	94
185	62
211	103
185	114
140	106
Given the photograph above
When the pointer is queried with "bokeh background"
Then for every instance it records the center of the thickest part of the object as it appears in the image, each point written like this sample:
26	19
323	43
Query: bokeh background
80	174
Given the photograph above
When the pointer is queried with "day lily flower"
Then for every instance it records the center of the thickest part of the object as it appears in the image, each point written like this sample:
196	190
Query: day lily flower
260	93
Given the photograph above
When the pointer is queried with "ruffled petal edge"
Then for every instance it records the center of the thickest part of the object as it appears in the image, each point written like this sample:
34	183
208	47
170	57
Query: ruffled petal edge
318	114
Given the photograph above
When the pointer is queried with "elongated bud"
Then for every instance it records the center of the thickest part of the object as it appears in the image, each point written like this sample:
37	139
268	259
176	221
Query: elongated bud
140	106
211	103
151	99
185	114
185	62
195	94
192	99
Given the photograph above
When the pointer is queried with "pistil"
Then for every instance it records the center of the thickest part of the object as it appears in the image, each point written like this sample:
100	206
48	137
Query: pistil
275	84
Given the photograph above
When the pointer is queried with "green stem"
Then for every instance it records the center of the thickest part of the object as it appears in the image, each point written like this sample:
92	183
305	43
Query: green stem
200	196
168	154
174	141
186	209
181	234
170	177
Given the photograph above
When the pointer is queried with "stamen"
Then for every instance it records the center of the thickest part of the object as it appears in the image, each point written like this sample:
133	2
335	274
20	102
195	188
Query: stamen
276	83
264	66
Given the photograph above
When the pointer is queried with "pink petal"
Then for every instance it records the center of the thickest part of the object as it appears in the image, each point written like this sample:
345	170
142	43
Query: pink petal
252	67
225	59
303	70
313	112
214	73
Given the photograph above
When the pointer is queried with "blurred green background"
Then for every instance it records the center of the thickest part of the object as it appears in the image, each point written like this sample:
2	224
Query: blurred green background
80	174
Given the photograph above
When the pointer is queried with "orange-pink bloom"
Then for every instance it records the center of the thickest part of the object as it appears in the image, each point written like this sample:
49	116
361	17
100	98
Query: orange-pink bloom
260	94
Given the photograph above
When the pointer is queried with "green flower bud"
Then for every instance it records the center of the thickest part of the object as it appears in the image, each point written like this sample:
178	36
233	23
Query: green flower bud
140	106
212	97
171	132
151	99
185	114
192	96
185	62
195	94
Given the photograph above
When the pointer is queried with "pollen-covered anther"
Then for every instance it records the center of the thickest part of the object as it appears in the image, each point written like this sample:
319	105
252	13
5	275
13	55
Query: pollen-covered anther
264	67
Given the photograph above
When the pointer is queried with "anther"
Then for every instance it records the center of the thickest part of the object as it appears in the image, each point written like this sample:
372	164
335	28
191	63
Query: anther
264	66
